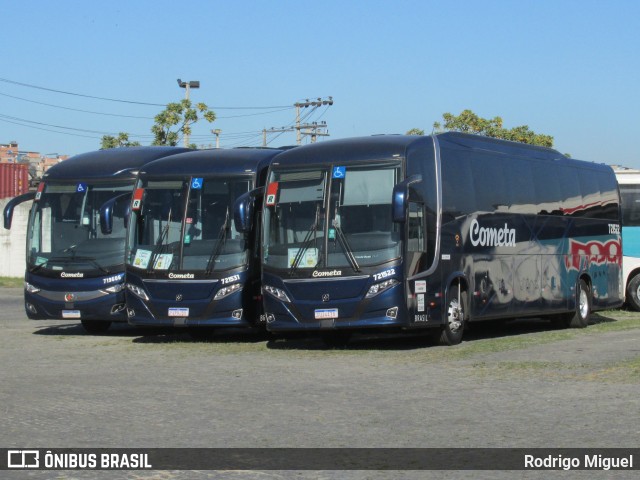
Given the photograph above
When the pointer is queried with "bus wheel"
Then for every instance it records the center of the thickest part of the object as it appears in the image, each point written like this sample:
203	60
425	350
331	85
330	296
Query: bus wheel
580	318
338	339
633	293
456	313
95	327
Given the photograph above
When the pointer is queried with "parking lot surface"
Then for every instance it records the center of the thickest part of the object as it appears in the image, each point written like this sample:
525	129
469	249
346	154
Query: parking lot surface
132	388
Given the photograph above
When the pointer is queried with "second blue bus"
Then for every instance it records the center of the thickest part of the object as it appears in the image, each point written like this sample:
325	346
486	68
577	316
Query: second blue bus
188	262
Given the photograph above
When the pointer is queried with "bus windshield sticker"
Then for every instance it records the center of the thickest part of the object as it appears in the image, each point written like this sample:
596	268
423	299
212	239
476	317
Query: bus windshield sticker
196	183
141	259
272	191
309	258
137	199
163	261
421	286
339	172
81	188
40	190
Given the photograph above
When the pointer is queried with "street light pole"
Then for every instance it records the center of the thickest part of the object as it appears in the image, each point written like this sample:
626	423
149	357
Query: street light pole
216	132
188	86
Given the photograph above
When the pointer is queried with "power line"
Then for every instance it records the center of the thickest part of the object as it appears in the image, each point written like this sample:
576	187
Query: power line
22	84
75	109
79	94
47	129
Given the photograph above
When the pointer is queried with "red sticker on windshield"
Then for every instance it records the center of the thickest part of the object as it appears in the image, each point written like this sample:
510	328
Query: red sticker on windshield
272	191
40	190
137	198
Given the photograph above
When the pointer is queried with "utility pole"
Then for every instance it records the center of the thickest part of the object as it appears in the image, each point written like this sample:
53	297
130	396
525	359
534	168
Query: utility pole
273	130
315	130
318	103
188	86
216	132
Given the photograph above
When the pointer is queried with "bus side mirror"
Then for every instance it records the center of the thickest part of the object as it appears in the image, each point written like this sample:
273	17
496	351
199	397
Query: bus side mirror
106	212
12	204
243	209
400	198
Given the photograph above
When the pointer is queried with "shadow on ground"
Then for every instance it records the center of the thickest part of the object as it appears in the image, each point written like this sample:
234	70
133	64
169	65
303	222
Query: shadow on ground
312	341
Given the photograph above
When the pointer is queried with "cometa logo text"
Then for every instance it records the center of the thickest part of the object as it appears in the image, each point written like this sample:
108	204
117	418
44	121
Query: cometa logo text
330	273
181	275
72	275
492	237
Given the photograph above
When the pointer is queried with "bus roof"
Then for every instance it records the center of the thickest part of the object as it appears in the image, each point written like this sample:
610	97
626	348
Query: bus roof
388	146
481	142
113	163
211	161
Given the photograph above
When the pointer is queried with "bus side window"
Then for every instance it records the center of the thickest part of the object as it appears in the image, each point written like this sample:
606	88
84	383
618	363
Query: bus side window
415	228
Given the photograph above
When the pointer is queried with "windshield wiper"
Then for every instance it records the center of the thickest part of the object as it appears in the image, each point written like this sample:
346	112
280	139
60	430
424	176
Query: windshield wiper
222	238
159	247
306	242
342	240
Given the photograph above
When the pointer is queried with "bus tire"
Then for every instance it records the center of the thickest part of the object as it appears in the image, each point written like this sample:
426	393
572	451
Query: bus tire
455	321
95	327
580	318
633	293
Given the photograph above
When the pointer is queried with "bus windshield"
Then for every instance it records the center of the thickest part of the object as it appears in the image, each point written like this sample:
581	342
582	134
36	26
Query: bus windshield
187	225
338	217
64	229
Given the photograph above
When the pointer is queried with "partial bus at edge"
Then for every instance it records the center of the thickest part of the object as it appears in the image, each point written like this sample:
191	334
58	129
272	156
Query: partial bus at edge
434	232
629	184
190	264
76	236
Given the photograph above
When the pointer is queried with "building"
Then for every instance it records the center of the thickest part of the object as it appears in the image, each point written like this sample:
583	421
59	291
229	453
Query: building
38	163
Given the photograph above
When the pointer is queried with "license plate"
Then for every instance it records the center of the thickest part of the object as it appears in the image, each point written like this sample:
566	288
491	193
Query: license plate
70	313
326	313
178	312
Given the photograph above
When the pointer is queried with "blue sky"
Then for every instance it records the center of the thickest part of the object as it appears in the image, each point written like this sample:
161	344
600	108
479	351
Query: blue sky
570	69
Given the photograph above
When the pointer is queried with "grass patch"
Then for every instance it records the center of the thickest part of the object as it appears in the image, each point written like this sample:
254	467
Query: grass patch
11	282
627	371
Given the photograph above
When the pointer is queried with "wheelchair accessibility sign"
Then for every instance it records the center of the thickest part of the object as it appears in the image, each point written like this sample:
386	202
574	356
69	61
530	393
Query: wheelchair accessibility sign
81	187
339	172
196	183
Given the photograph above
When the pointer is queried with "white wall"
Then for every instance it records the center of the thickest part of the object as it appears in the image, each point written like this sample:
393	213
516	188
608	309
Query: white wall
12	242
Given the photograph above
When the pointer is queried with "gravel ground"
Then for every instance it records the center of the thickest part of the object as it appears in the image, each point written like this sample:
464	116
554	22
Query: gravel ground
132	388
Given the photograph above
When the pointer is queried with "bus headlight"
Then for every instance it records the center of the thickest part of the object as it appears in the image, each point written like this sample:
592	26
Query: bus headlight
276	292
377	288
226	291
30	288
115	288
137	291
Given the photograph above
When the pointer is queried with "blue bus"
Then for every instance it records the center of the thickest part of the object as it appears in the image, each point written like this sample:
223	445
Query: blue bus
75	262
433	232
629	184
188	263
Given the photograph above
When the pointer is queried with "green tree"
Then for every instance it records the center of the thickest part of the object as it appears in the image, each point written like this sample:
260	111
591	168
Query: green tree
469	122
415	131
122	140
176	120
